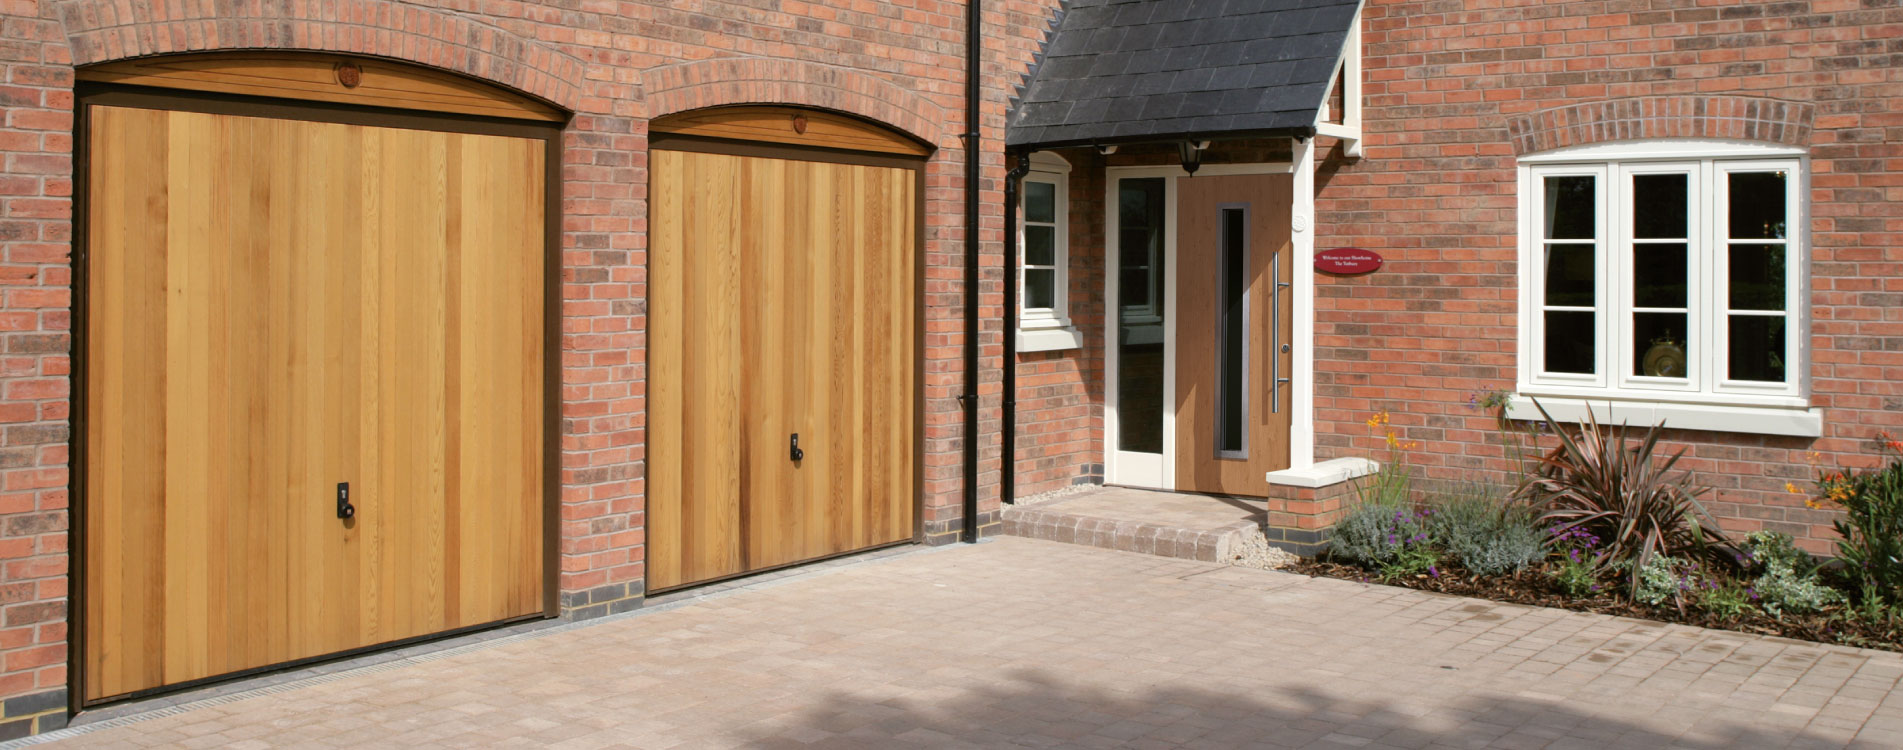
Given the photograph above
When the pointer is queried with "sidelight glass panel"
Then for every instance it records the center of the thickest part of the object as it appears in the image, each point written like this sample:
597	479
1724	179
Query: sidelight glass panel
1571	275
1756	207
1756	348
1658	206
1571	208
1757	277
1571	342
1140	285
1232	374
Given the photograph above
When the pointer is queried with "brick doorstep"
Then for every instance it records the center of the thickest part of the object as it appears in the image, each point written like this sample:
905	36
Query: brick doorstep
1053	521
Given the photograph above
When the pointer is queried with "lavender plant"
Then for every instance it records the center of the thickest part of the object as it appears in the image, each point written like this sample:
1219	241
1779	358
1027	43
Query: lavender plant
1485	534
1393	539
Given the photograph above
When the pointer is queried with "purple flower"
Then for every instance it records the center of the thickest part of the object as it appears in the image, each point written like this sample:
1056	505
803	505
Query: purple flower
1434	570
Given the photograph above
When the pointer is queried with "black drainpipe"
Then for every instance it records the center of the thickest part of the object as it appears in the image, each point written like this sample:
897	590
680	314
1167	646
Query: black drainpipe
974	149
1008	482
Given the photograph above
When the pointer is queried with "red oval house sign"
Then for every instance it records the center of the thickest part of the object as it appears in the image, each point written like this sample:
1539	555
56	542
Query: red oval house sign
1347	260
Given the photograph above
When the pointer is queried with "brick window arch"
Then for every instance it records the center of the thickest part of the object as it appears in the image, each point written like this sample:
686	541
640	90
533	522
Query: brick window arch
1733	118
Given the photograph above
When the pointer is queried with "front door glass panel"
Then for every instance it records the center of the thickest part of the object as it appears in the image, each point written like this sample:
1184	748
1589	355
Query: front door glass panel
1232	354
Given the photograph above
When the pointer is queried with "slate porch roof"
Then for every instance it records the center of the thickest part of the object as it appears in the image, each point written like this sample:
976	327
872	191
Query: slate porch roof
1146	70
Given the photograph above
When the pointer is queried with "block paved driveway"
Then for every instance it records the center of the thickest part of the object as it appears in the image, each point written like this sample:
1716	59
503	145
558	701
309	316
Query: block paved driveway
1019	642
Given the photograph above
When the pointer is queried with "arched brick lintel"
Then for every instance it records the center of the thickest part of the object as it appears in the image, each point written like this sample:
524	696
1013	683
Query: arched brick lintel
753	80
108	30
1729	117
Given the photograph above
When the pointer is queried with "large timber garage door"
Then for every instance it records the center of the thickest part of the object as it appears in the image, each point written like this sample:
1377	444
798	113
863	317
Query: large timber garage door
314	346
782	349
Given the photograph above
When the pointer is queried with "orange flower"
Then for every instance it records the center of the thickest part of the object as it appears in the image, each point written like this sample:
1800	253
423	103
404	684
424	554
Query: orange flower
1791	488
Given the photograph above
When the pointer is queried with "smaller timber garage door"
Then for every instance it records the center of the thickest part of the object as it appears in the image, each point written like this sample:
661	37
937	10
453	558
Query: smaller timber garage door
314	391
783	337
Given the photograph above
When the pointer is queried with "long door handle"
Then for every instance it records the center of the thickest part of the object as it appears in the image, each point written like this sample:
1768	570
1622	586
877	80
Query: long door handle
344	508
1276	347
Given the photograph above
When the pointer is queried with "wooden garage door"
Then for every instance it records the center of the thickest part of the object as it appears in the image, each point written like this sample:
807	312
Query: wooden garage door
781	302
276	307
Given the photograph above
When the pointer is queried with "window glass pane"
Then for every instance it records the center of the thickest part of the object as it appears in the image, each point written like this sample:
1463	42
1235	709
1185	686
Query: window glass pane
1571	210
1140	395
1658	276
1571	344
1659	346
1757	277
1570	275
1040	246
1234	265
1040	288
1757	206
1133	287
1757	348
1040	201
1658	206
1133	247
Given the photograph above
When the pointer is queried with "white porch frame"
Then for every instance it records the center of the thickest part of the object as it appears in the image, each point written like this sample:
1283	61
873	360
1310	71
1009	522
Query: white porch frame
1159	470
1348	71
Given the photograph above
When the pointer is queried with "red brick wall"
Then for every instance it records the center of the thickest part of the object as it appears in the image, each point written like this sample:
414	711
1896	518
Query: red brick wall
900	63
1453	87
1060	393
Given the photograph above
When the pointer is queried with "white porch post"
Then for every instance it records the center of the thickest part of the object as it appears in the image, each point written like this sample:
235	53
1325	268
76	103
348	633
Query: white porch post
1301	452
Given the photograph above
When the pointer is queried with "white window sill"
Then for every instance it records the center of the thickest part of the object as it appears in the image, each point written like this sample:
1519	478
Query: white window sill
1049	339
1753	419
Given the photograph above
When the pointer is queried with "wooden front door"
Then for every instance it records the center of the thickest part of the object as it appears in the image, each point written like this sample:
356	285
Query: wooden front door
275	307
780	303
1234	270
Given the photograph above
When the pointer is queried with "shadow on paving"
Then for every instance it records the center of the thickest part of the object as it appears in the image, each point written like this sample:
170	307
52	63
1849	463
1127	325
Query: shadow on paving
1033	710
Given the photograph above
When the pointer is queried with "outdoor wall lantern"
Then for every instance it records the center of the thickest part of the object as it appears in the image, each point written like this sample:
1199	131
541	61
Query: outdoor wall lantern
1192	155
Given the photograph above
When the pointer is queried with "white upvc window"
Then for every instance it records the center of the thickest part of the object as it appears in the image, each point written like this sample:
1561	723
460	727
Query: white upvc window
1044	257
1666	273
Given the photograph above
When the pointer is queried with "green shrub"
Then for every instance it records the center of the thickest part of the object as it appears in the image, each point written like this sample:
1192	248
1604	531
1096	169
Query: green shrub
1576	579
1871	546
1726	600
1484	534
1664	579
1787	578
1578	570
1637	506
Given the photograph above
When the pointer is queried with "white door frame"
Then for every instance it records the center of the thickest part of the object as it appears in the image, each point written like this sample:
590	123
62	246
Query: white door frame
1159	471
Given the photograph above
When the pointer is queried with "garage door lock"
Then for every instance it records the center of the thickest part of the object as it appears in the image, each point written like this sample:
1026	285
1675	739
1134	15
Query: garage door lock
344	508
796	453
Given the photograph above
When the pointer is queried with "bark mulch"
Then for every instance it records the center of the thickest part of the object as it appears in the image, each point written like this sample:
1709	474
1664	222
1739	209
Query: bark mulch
1533	587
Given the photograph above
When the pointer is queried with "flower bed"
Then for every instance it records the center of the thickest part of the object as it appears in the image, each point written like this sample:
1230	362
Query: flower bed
1599	523
1535	587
